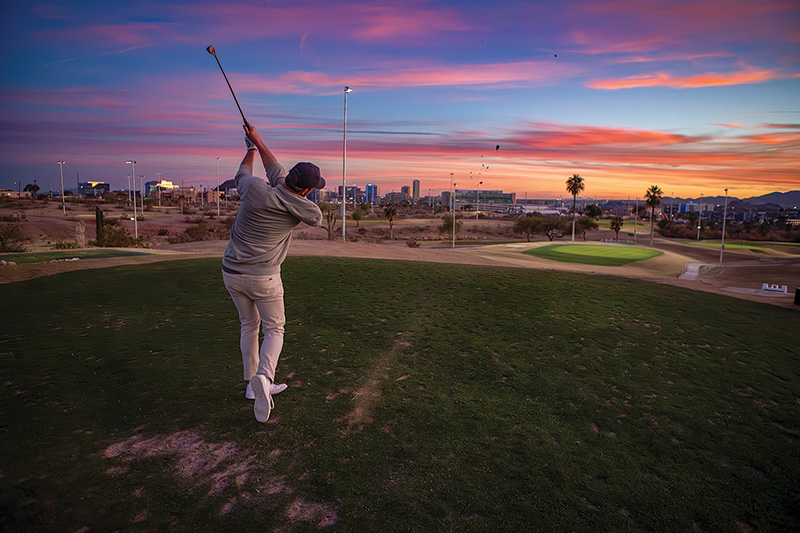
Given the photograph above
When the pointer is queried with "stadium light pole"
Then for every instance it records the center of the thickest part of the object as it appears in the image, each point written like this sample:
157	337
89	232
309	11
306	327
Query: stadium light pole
344	162
724	218
158	180
63	205
218	186
142	183
699	217
453	208
132	163
478	200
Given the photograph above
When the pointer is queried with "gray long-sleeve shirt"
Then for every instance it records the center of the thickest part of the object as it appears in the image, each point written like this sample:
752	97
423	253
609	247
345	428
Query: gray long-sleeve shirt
263	227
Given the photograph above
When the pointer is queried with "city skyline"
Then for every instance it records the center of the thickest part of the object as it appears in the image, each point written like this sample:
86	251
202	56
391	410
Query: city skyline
692	97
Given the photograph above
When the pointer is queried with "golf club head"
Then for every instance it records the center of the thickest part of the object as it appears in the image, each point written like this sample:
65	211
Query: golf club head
211	51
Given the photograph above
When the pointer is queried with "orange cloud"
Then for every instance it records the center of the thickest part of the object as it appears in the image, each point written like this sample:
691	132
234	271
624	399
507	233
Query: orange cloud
748	76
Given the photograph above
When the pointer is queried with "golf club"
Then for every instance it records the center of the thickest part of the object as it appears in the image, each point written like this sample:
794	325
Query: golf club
213	52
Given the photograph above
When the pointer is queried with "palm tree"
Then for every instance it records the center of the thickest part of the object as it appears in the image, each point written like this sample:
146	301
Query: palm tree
653	198
391	212
574	186
616	225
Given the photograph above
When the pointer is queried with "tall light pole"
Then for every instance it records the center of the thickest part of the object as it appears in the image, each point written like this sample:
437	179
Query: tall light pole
636	221
132	163
724	218
344	161
63	205
158	180
699	217
453	208
218	186
142	183
478	200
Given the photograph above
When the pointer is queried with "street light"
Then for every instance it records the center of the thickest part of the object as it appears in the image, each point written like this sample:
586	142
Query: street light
142	182
61	168
453	208
699	217
218	186
158	180
478	200
344	161
724	218
132	163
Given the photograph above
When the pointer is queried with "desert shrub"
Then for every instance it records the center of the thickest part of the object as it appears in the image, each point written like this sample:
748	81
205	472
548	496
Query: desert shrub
163	231
412	243
202	231
115	236
61	245
447	224
12	237
305	236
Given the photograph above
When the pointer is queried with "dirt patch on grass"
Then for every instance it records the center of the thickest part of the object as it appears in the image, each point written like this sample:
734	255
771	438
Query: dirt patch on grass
213	467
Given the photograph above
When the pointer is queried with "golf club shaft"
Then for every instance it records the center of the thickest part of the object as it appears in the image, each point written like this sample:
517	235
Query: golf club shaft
231	88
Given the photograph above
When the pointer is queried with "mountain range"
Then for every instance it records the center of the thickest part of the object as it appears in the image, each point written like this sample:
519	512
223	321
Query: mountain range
786	200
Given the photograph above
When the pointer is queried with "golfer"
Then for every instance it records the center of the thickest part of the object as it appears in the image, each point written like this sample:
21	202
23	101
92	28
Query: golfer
251	268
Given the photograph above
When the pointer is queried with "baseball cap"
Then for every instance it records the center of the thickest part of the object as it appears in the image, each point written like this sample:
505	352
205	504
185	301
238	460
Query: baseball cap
305	176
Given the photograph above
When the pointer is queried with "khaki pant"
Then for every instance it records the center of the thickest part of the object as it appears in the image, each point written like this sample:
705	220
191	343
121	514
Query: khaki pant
259	301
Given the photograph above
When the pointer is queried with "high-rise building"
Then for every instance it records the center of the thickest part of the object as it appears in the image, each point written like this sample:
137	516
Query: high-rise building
405	189
415	191
373	196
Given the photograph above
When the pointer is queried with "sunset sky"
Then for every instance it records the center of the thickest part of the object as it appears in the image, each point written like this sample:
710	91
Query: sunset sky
692	96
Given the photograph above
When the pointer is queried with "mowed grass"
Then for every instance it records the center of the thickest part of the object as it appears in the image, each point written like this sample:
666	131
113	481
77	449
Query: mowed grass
45	257
422	397
592	254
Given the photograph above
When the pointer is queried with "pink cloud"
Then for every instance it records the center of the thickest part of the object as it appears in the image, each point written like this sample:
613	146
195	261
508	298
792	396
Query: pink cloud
518	74
402	24
748	76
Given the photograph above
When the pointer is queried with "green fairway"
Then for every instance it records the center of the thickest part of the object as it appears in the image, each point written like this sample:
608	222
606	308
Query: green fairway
45	257
422	397
590	254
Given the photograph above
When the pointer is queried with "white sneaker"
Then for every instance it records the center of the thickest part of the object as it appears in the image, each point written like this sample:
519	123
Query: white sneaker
264	404
273	389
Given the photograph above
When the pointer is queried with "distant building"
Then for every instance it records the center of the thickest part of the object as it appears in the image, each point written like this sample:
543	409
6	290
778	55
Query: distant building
319	196
489	200
415	191
354	194
373	194
156	187
94	189
397	197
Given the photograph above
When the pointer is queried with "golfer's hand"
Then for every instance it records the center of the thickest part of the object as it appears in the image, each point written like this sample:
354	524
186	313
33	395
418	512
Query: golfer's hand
252	134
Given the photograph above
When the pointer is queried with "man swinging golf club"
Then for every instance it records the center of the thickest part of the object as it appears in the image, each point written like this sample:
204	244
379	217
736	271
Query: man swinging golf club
251	267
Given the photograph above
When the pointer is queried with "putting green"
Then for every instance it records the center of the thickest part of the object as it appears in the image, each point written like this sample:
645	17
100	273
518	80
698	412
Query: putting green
593	254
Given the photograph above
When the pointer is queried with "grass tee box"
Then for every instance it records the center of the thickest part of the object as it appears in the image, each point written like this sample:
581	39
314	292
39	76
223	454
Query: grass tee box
593	254
422	397
46	257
